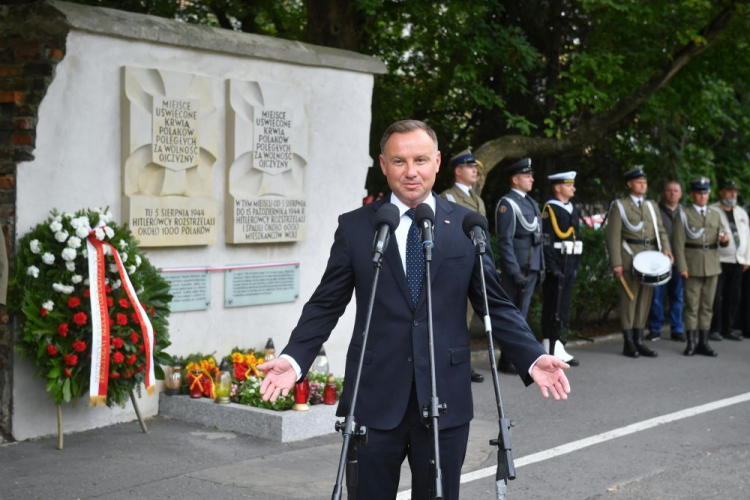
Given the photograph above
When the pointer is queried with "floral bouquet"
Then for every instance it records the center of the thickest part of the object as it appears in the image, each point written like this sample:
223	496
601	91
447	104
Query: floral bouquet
52	286
198	376
244	363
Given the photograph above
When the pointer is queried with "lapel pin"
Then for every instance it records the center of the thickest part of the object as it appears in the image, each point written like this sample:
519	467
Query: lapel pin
447	222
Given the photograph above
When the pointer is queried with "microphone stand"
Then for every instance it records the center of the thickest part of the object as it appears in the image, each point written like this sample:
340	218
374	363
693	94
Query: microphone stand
505	468
352	432
434	408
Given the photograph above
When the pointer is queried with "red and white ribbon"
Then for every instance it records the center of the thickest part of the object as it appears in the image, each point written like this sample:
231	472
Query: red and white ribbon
100	342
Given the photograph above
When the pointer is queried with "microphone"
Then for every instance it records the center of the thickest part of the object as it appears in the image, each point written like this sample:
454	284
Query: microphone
425	218
475	227
386	221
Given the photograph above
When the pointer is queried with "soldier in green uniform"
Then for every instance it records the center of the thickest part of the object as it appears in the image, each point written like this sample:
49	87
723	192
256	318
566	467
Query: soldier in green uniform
463	193
634	225
697	234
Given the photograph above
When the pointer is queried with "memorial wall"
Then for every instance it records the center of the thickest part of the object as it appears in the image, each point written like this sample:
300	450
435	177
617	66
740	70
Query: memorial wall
230	156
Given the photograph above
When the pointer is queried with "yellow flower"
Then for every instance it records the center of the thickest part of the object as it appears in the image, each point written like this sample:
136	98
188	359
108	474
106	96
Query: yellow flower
237	357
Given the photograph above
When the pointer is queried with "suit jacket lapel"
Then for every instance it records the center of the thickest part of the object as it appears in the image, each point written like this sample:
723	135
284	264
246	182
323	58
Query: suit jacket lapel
392	259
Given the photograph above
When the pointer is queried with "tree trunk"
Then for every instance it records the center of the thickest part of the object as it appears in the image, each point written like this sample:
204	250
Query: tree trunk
334	23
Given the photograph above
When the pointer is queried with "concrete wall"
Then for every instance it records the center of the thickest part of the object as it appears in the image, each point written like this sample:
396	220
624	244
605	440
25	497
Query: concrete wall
77	164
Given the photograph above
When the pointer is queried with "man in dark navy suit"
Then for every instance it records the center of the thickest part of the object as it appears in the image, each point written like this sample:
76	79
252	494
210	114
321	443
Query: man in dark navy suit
396	377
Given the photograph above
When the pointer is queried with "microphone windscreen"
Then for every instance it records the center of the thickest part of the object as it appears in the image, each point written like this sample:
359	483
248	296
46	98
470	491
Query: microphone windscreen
472	220
424	211
388	214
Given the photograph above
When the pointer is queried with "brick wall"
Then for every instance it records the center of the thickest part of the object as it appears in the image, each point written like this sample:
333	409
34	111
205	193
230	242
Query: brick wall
32	43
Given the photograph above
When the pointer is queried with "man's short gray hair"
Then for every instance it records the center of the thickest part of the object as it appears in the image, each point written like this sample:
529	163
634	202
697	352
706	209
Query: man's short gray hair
404	127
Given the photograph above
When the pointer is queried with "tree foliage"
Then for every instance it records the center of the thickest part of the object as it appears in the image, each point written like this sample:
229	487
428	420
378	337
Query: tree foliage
590	85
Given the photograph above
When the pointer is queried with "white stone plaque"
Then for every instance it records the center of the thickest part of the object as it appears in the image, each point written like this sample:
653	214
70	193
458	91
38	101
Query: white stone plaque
268	147
170	145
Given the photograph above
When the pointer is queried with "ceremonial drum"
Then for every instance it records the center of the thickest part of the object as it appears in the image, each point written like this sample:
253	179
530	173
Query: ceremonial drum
652	268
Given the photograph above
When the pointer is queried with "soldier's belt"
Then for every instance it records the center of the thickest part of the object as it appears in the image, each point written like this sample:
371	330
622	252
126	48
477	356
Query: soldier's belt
702	246
569	247
647	242
535	238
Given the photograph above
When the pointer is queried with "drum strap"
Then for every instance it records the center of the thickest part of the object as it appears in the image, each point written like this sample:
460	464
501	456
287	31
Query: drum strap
656	224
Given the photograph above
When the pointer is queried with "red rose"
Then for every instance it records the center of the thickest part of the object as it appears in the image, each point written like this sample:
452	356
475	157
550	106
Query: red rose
63	330
110	302
51	350
43	312
240	371
79	345
80	318
135	319
152	311
131	359
74	302
134	338
111	322
118	357
142	348
87	293
107	288
124	303
71	359
117	342
67	372
114	375
122	320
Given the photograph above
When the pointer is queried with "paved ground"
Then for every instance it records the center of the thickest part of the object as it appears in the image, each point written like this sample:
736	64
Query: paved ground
706	455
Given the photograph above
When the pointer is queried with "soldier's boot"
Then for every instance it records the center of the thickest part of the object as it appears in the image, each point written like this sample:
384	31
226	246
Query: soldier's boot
703	347
560	353
629	349
545	344
638	341
690	348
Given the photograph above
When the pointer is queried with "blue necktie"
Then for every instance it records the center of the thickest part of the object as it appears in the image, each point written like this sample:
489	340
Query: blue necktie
414	260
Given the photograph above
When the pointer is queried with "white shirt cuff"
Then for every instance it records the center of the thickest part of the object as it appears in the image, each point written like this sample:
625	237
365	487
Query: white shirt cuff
298	371
530	368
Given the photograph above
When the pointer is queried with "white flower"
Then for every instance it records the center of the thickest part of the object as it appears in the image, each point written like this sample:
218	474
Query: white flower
124	257
71	266
74	242
61	236
76	223
122	244
68	215
57	218
86	282
108	215
131	269
48	258
137	260
110	232
84	221
49	305
69	254
99	233
76	279
117	284
106	250
58	287
113	268
36	248
82	232
85	253
33	271
55	226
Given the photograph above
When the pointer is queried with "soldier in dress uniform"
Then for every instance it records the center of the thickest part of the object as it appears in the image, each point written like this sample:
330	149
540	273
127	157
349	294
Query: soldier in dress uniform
562	252
464	167
518	225
697	234
634	225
